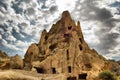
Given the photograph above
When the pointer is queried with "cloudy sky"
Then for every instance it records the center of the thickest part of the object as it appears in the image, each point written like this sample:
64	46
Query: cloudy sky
21	23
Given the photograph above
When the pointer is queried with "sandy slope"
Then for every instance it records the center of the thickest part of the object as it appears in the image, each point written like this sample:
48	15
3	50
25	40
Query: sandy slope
28	75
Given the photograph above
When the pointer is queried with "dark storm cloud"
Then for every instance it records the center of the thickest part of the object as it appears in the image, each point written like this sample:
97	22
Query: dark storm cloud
30	11
107	42
53	9
90	11
103	14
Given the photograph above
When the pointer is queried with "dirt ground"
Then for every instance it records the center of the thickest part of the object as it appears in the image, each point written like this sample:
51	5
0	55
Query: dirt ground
28	75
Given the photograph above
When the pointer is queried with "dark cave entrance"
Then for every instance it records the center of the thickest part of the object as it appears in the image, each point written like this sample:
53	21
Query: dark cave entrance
67	55
71	78
82	76
53	71
69	69
40	70
80	47
53	46
69	27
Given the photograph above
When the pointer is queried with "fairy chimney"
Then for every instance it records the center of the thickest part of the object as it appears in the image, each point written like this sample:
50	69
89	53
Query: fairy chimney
64	50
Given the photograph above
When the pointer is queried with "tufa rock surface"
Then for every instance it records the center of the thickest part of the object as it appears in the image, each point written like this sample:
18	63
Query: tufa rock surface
64	50
4	59
30	56
16	62
3	55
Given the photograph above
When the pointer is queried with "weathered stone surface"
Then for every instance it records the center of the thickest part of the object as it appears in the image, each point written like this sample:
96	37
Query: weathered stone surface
64	50
3	55
16	62
118	62
4	59
30	56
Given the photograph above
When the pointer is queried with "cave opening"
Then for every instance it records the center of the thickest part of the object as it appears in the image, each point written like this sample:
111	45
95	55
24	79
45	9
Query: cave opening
40	70
69	27
46	37
67	54
53	71
82	76
69	69
53	46
71	78
80	47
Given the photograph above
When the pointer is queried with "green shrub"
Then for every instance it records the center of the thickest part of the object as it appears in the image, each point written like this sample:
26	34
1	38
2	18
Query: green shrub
106	75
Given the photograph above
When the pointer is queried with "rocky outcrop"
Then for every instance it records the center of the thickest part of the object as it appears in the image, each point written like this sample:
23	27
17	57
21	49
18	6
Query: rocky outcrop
16	62
3	55
4	59
64	50
118	62
30	56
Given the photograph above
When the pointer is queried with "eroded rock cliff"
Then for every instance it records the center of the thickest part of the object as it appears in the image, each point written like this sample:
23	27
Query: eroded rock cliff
64	50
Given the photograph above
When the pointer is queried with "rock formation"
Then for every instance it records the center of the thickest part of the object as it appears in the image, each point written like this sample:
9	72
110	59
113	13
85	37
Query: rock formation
64	50
31	55
6	62
4	58
3	55
16	62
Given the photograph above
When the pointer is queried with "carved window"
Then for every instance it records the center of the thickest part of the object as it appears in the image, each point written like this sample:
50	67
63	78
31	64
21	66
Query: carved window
53	70
52	47
80	47
46	37
82	76
69	69
67	54
69	27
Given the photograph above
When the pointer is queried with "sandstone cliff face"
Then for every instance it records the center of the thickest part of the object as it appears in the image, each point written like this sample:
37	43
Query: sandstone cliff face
64	50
